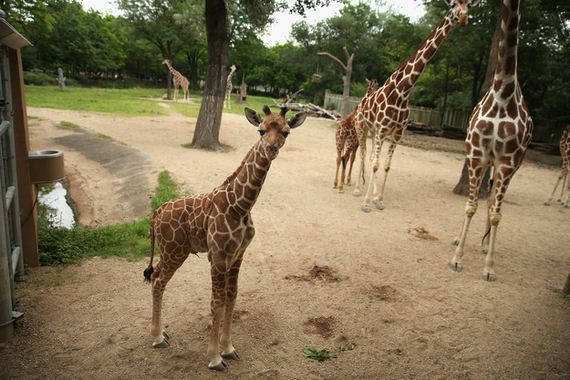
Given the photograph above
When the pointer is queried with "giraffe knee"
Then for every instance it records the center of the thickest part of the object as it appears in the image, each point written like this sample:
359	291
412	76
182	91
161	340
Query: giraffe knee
494	218
470	209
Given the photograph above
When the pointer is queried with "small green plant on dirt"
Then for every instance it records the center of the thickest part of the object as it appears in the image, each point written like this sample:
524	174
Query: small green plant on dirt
318	355
60	245
69	125
103	136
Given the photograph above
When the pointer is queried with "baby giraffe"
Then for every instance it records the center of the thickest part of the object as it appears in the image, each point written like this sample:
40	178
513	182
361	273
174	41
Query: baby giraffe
218	222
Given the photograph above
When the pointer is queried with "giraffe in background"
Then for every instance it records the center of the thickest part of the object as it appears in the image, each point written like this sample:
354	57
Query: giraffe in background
218	222
499	132
347	143
229	87
386	110
178	80
565	153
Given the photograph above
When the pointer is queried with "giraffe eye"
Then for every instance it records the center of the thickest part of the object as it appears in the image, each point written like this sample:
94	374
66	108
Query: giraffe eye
285	134
261	132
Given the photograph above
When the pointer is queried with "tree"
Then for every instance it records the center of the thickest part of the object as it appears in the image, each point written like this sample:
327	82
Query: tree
155	21
256	14
347	73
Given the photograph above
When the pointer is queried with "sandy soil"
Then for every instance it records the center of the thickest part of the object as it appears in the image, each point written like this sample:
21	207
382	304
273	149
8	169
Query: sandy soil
319	273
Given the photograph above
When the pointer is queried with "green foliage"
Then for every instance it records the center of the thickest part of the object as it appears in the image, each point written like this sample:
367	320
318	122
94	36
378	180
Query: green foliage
126	102
69	125
39	78
129	240
318	355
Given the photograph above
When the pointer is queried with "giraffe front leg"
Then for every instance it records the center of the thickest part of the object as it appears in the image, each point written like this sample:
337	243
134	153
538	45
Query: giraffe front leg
476	172
560	178
563	189
338	160
379	200
362	132
228	350
218	274
371	191
352	158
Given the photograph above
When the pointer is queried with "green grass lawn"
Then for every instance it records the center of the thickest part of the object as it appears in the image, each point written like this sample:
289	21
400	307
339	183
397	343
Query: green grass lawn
117	101
133	102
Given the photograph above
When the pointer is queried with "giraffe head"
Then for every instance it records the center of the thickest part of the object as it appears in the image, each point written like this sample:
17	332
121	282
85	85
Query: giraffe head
273	128
371	86
460	8
166	62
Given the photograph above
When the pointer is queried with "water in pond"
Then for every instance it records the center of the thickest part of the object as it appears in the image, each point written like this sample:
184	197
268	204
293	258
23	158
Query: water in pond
60	213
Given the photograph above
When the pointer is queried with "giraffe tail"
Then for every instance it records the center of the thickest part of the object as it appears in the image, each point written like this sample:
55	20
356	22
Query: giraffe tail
491	193
150	270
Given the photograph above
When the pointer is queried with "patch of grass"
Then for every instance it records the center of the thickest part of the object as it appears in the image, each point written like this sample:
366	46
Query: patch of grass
128	240
187	145
133	101
104	136
318	355
33	118
69	125
165	191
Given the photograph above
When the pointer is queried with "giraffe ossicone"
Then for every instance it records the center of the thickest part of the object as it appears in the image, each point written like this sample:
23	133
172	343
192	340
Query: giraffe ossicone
219	223
385	111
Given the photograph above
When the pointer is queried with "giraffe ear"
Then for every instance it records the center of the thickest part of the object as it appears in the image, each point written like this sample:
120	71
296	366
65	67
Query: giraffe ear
253	117
297	120
473	3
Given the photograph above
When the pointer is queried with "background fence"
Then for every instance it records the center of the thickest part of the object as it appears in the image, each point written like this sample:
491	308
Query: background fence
421	115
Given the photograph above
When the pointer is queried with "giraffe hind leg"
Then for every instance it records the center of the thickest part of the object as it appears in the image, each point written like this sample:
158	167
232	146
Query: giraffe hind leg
561	177
162	274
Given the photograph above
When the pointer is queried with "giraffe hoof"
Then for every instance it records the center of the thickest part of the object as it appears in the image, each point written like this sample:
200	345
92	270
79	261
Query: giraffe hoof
365	208
379	204
456	267
488	276
164	344
231	356
221	366
340	191
356	192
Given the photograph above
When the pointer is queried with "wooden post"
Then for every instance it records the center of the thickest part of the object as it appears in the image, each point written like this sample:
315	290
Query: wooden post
26	190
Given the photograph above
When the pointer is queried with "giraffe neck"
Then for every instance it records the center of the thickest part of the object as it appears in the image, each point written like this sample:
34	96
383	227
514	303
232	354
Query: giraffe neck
505	78
246	182
409	72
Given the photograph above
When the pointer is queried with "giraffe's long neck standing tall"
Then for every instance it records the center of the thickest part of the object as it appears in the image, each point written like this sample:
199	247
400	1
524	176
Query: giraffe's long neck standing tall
386	110
505	80
406	76
245	184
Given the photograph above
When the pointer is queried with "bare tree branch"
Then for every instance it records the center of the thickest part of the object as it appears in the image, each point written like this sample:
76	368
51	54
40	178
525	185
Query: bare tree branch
333	58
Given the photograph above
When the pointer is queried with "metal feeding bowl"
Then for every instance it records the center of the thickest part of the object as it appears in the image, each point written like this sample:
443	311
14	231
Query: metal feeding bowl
46	166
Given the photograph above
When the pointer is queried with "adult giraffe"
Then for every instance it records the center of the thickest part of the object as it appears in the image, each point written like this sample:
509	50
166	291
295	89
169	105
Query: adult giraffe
499	132
386	110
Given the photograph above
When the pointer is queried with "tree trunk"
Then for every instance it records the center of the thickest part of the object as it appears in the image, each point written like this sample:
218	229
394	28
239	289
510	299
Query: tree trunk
346	77
169	85
462	187
346	88
566	289
206	134
192	57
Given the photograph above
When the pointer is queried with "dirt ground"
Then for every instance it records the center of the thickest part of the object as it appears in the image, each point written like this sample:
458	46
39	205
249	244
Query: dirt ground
373	288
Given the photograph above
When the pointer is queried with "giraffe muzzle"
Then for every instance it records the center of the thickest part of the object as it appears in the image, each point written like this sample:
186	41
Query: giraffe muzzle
463	19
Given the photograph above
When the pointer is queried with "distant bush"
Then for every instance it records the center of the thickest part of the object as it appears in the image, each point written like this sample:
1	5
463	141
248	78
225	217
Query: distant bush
39	78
